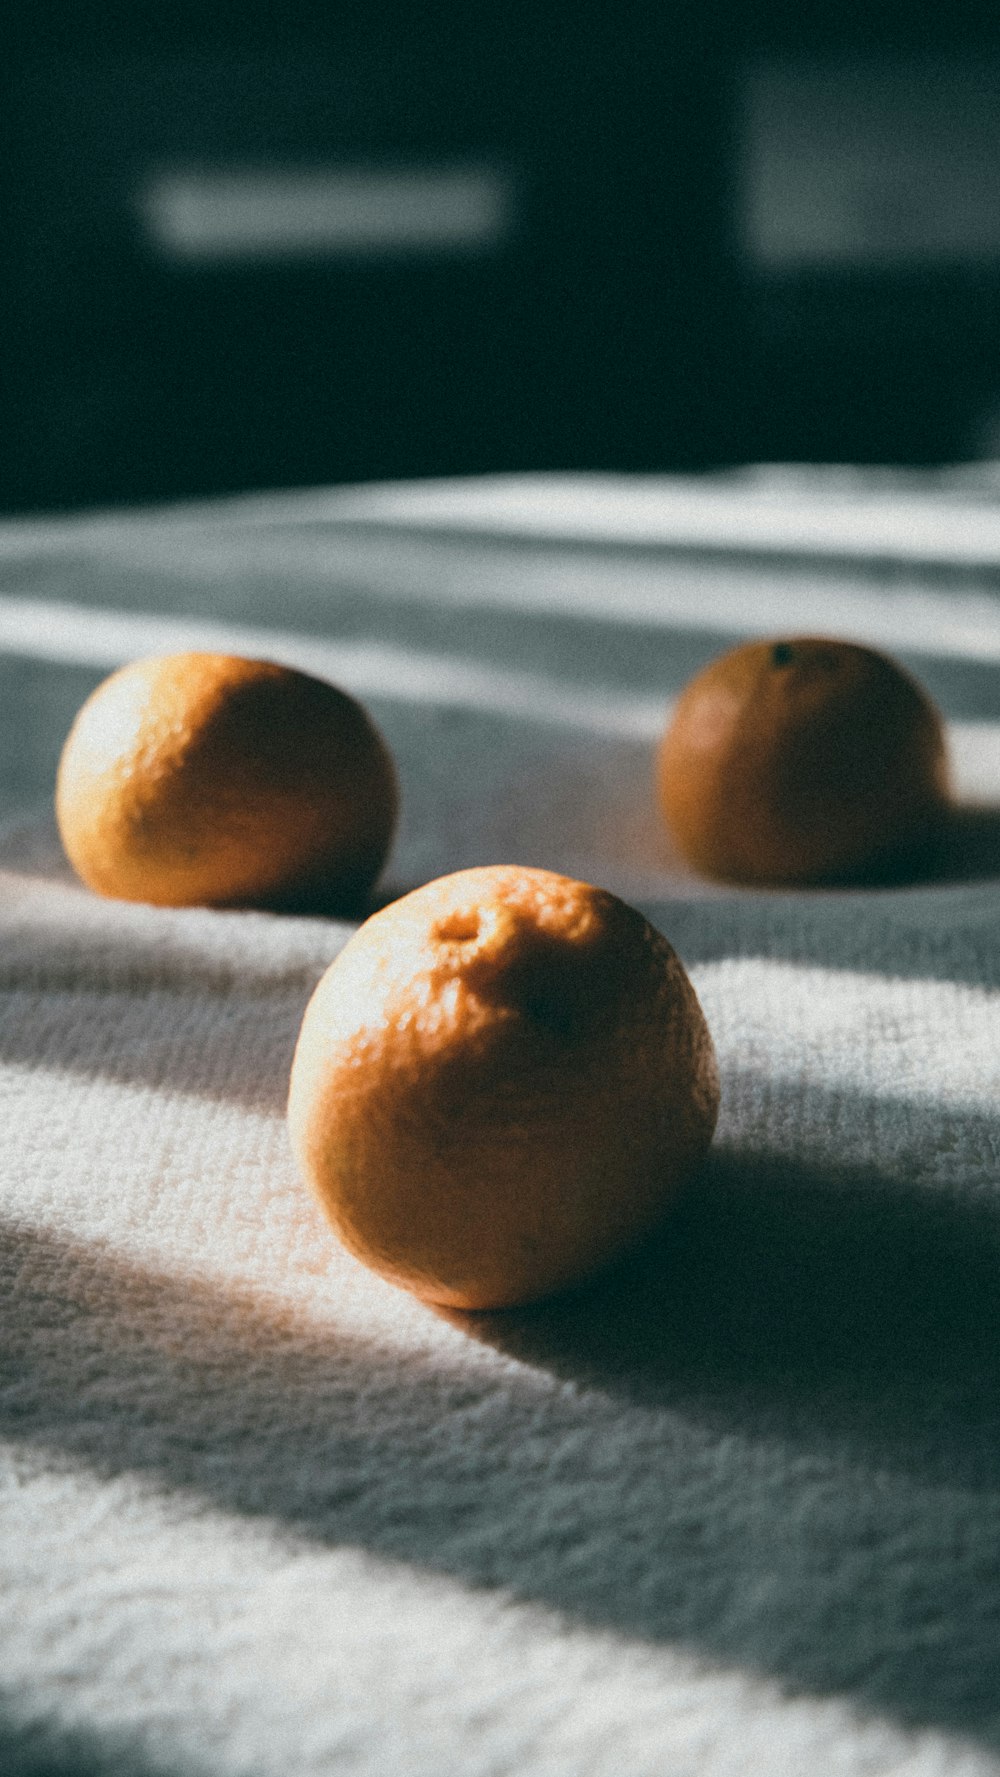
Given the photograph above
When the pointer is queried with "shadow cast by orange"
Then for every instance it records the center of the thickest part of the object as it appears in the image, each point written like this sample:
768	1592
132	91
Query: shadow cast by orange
845	1310
772	1436
968	848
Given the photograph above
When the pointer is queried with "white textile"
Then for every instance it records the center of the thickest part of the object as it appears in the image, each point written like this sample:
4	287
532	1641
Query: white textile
733	1512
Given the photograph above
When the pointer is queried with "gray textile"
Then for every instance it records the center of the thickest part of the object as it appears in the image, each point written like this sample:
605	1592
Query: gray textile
734	1510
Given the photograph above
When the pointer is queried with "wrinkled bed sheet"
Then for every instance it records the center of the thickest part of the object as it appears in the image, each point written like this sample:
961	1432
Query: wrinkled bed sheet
734	1509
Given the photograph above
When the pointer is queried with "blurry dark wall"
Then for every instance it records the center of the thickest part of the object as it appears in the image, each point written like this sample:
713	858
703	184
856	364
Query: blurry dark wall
613	318
586	334
883	344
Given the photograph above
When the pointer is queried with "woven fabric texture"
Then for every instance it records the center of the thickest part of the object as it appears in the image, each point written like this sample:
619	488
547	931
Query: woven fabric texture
734	1509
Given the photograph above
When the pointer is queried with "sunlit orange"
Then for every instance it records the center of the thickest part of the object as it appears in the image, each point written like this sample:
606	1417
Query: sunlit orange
208	778
502	1080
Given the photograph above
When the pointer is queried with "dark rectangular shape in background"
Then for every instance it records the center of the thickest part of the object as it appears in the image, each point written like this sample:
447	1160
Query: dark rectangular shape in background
570	314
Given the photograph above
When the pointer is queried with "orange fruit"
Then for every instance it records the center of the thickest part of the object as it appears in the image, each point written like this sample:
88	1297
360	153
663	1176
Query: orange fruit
801	761
210	779
499	1084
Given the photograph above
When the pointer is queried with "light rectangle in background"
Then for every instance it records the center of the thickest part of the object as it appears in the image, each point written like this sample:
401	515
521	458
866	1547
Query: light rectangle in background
212	215
876	163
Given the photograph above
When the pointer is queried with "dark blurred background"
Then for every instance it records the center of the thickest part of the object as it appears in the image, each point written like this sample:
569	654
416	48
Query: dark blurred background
244	248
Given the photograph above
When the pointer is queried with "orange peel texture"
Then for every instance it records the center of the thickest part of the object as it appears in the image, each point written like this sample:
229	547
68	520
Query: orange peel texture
211	779
500	1083
802	760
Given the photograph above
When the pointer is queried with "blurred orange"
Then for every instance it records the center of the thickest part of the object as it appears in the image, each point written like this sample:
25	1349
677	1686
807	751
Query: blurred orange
211	779
802	760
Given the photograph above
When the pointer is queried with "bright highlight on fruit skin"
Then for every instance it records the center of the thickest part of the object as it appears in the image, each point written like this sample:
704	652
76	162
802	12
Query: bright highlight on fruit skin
210	779
500	1084
802	760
